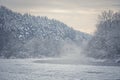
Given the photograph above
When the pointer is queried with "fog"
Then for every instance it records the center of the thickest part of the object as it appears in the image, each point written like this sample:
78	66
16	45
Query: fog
28	36
70	53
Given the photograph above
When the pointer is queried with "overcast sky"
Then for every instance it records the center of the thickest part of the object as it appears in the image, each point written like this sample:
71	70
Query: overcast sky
79	14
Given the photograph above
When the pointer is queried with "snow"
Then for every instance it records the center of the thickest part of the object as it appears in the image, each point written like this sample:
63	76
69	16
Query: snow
27	69
35	36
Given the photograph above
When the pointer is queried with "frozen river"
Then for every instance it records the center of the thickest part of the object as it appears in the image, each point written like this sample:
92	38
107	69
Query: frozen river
27	69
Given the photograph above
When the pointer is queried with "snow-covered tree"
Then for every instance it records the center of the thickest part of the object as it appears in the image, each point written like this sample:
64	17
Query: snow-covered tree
30	36
106	40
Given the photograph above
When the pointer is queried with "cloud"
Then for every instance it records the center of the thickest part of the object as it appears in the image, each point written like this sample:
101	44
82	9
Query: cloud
62	4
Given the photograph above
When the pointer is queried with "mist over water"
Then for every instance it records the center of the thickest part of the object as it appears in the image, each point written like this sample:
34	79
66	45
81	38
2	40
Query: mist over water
70	53
74	53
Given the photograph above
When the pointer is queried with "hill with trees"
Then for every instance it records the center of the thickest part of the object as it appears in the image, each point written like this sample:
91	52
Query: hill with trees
26	36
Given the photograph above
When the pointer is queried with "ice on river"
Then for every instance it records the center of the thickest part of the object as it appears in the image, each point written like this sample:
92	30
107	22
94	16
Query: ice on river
27	69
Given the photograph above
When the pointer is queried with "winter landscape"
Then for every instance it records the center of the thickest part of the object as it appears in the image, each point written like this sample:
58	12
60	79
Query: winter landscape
39	40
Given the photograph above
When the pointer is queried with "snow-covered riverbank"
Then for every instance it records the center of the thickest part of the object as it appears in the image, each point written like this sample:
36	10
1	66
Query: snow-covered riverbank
27	69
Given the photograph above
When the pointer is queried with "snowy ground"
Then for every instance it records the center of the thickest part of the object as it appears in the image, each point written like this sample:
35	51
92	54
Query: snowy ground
28	69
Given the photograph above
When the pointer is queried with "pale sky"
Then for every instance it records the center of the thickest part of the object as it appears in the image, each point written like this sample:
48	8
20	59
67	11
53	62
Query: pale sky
79	14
